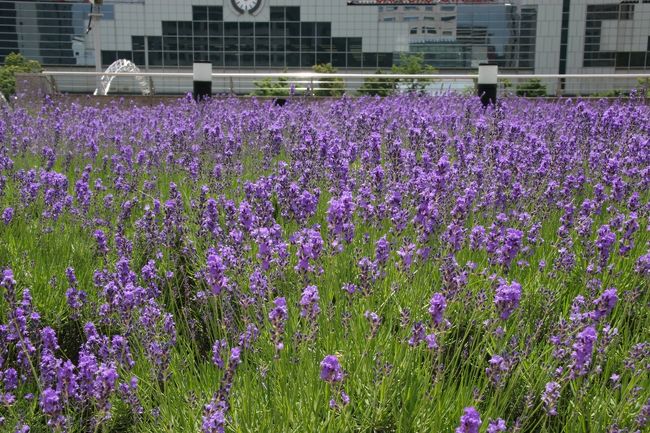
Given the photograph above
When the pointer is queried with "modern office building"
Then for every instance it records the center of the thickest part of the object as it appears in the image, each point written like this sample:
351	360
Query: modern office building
528	36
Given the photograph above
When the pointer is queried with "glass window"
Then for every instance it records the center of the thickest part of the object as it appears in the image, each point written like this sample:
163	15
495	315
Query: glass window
293	44
246	44
293	29
277	44
278	29
262	60
307	60
201	56
277	60
169	28
138	58
414	30
247	60
261	29
231	29
293	59
245	29
216	44
323	58
185	43
277	13
338	60
384	60
155	58
215	13
200	28
354	45
324	44
308	29
292	14
324	29
216	59
137	43
170	43
199	13
231	60
185	58
201	43
154	43
370	60
262	43
354	60
339	44
170	59
308	44
185	28
231	44
215	29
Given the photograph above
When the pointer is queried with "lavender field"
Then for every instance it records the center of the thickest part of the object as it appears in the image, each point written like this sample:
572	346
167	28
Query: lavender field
406	264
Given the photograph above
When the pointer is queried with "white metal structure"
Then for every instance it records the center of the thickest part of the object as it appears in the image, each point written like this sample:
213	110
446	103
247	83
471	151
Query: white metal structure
123	67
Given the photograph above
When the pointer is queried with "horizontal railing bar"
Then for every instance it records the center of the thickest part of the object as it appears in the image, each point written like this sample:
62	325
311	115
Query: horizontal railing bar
336	75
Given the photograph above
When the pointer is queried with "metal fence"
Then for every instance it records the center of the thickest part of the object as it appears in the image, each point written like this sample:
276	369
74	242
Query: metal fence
320	84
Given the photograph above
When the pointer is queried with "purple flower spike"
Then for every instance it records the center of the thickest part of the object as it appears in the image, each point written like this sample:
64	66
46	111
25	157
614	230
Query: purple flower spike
330	369
470	421
507	298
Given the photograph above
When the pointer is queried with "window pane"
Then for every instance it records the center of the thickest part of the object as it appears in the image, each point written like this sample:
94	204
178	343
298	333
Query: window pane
137	43
277	44
338	60
323	29
231	44
322	58
231	29
339	44
170	59
216	44
354	60
277	13
199	13
293	29
292	13
307	60
308	29
247	60
155	58
215	13
246	44
245	29
277	29
293	59
215	29
262	44
370	60
293	44
169	28
170	43
200	28
184	43
185	28
216	59
262	60
277	59
261	29
232	60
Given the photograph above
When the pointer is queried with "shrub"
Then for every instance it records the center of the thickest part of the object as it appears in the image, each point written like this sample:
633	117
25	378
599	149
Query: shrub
15	63
533	88
328	86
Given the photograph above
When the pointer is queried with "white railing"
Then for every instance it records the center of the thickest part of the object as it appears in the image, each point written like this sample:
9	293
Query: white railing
314	84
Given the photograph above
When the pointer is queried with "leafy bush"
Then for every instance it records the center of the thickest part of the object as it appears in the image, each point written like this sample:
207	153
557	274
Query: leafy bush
271	87
377	86
533	88
328	86
15	63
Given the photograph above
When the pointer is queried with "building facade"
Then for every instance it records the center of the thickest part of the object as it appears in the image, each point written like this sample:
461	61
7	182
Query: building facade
528	36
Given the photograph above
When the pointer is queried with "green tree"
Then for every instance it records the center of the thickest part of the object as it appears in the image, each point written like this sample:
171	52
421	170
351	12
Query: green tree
377	86
15	63
532	88
413	64
328	86
270	87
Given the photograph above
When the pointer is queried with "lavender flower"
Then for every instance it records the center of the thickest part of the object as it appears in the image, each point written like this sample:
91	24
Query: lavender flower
470	421
437	308
550	396
507	298
330	369
278	317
